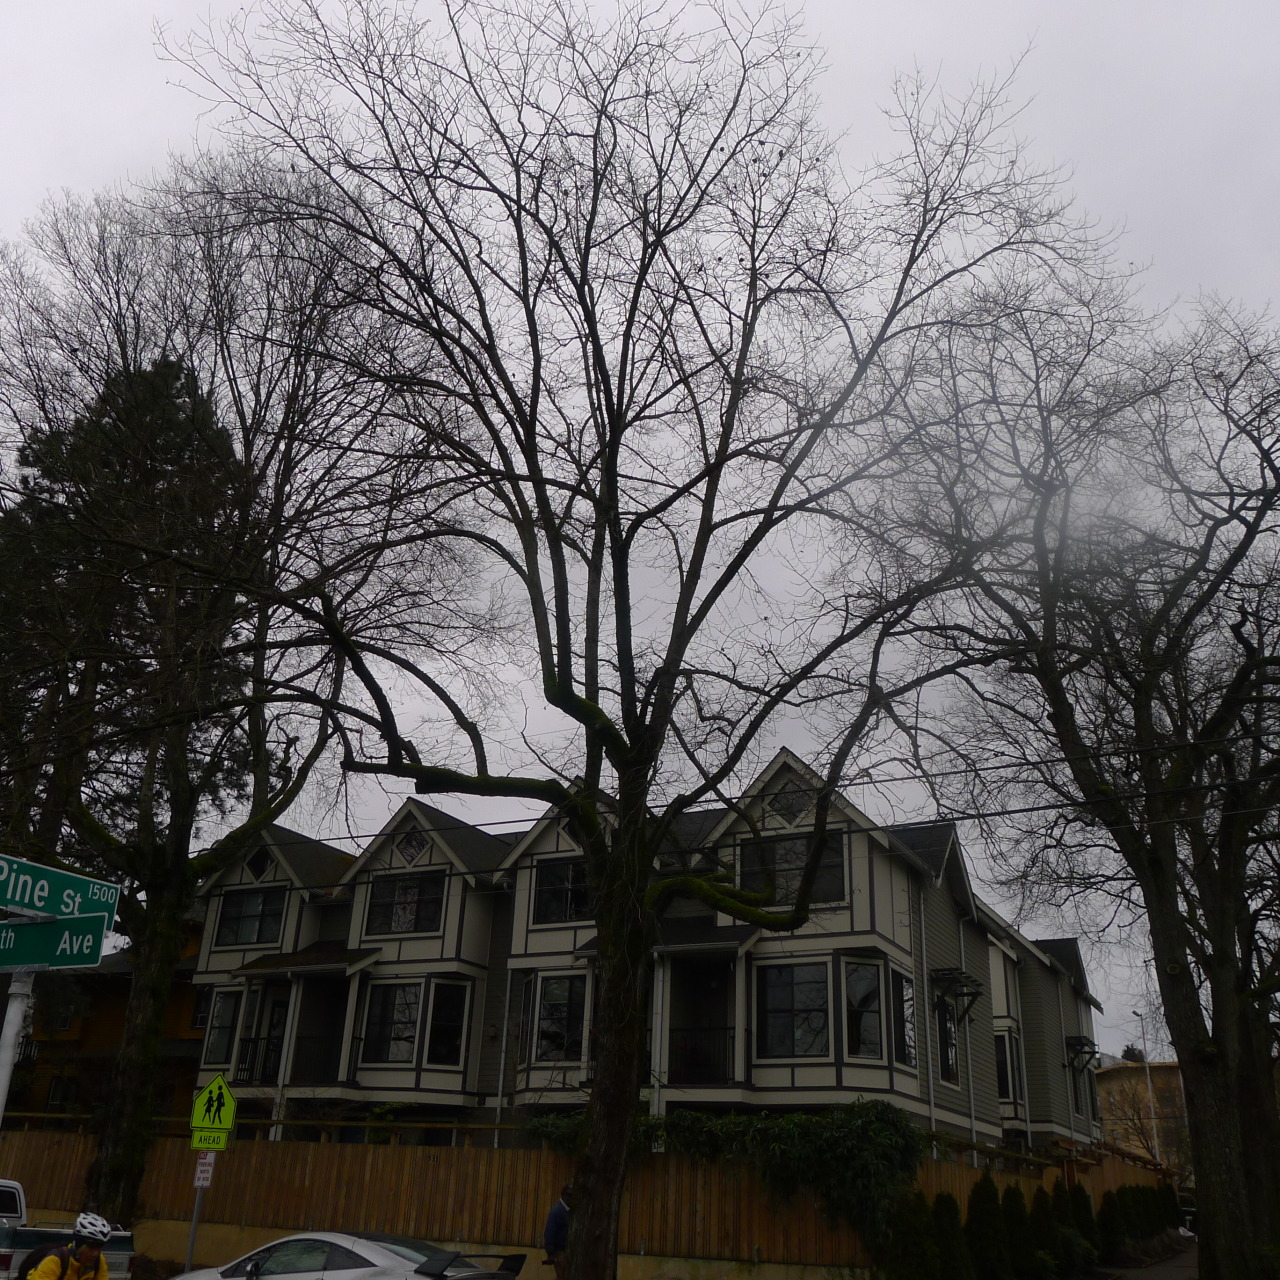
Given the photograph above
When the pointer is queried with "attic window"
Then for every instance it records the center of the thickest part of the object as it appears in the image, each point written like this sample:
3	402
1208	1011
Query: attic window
259	864
411	845
791	801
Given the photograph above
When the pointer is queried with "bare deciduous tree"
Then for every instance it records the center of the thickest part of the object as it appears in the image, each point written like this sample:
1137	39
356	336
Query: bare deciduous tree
651	339
1128	748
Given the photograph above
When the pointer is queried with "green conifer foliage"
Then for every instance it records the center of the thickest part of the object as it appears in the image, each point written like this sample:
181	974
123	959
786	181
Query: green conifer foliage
1082	1208
984	1229
1026	1261
911	1252
1110	1229
1044	1227
954	1262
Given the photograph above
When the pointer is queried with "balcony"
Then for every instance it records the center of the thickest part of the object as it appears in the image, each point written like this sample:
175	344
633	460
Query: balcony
316	1059
258	1060
700	1056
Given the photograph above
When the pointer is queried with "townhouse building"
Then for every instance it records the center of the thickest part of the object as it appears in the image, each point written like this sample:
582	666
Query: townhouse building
448	973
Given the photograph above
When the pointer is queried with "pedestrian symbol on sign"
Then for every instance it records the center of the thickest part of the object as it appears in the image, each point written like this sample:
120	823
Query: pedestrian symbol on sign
214	1107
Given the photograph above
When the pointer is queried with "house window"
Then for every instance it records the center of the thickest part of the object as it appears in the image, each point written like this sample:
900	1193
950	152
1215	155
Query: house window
200	1007
406	904
792	1011
64	1091
526	1017
447	1024
221	1034
774	867
1008	1068
904	1019
391	1025
862	1010
561	892
948	1043
251	917
560	1018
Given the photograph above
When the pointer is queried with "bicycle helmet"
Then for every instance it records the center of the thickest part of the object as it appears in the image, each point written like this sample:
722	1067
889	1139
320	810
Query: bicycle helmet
92	1229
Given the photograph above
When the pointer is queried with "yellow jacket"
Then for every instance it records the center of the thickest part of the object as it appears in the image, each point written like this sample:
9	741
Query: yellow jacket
51	1268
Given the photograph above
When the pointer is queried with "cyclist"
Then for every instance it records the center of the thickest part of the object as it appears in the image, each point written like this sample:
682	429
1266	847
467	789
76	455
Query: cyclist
81	1259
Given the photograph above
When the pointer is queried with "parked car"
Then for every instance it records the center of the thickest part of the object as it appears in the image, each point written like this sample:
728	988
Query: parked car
17	1239
332	1255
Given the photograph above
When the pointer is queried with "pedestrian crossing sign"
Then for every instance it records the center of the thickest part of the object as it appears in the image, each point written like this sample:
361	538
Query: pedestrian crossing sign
214	1107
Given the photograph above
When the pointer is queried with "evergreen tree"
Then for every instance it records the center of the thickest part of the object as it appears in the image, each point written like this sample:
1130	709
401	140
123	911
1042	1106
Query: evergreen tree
125	671
912	1251
1044	1227
1024	1258
1111	1232
1082	1210
954	1262
984	1229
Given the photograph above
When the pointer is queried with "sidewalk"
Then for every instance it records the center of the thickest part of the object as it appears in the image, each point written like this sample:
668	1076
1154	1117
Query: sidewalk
1185	1266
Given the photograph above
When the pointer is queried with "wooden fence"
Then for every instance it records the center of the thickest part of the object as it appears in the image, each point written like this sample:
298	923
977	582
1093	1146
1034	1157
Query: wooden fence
675	1206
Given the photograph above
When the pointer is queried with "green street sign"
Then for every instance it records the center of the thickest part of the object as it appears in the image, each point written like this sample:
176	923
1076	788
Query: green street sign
28	889
52	944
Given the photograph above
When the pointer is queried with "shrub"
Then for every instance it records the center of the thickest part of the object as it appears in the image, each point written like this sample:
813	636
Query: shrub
1063	1210
1169	1212
911	1252
858	1160
1110	1229
1026	1261
1082	1210
954	1262
1044	1229
984	1230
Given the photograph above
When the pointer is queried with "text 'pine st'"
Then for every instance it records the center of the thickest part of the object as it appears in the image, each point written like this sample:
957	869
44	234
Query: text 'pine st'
29	889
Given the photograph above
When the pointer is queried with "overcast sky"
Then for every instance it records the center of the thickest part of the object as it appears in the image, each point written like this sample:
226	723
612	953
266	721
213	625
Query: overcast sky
1164	112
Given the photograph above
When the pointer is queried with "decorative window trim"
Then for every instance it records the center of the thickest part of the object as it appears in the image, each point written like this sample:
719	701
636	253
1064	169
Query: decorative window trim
242	894
406	877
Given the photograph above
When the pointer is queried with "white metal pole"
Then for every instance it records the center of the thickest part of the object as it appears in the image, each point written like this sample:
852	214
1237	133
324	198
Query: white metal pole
195	1222
1151	1097
15	1016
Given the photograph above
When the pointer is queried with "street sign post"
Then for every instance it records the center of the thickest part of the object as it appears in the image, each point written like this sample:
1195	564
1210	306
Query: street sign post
203	1179
28	889
52	944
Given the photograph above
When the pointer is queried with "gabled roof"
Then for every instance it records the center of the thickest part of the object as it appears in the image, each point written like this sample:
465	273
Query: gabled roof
471	849
1066	951
936	846
313	863
309	863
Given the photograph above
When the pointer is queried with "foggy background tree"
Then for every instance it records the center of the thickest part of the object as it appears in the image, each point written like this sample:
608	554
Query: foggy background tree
1126	754
646	338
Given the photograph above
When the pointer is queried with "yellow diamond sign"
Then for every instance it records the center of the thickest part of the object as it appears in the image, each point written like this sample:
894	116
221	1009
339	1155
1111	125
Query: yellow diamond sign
214	1108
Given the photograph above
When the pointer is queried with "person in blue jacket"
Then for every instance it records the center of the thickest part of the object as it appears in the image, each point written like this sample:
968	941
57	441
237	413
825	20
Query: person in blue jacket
555	1237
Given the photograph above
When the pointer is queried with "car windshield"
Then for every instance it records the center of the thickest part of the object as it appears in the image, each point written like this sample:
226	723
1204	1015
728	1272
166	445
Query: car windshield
407	1247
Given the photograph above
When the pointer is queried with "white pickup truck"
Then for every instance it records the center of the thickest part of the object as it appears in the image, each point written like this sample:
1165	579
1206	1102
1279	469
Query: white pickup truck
17	1239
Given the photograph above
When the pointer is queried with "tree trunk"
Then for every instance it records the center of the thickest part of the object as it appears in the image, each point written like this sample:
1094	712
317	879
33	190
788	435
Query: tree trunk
128	1115
624	965
1233	1120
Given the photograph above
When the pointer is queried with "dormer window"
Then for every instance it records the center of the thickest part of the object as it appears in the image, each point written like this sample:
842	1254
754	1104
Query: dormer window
406	904
250	918
260	864
776	866
411	845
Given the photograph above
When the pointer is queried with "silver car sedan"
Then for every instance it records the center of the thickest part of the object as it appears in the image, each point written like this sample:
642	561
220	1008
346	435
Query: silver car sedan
332	1255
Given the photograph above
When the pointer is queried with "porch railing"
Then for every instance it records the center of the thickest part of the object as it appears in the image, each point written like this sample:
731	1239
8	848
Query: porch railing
316	1059
700	1055
258	1060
